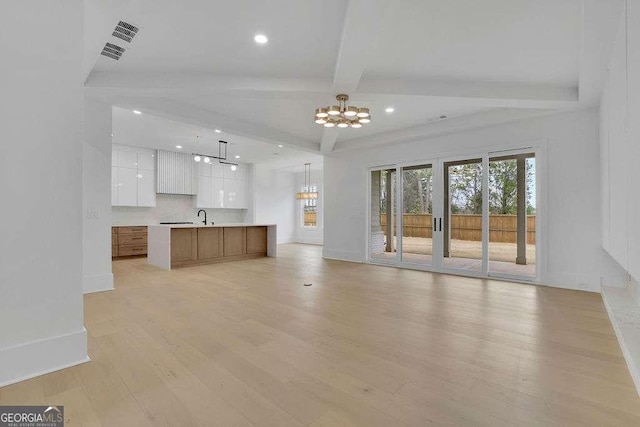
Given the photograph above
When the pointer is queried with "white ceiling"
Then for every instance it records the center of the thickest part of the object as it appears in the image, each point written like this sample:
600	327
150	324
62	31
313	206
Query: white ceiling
496	40
146	130
195	61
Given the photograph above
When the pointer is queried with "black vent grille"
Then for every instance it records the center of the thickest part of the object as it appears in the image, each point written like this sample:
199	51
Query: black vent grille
112	51
125	31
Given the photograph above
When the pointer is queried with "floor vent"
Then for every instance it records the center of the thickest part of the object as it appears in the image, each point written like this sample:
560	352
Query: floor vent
112	51
125	31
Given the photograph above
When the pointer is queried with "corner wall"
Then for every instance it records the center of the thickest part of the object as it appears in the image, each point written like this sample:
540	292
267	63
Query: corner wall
274	200
41	307
96	197
574	258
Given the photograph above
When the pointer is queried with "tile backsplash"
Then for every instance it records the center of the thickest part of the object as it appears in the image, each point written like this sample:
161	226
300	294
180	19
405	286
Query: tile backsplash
172	208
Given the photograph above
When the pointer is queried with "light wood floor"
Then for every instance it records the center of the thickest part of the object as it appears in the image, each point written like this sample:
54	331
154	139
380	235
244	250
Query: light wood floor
244	343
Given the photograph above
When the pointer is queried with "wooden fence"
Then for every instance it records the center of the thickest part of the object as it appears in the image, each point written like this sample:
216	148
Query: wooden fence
502	228
310	219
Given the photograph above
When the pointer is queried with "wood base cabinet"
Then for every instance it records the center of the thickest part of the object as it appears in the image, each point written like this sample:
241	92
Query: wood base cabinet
128	241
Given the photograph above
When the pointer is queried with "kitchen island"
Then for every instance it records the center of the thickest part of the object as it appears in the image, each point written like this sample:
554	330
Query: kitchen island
182	245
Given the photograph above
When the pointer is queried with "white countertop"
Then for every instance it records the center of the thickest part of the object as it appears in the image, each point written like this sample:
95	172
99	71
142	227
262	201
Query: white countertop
231	224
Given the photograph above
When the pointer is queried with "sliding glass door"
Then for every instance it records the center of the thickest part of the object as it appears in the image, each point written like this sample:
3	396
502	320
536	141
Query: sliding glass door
383	219
473	215
463	203
416	240
512	214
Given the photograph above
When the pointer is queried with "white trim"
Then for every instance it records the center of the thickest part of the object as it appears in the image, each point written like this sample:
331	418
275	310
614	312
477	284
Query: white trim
350	256
41	357
288	239
97	283
631	365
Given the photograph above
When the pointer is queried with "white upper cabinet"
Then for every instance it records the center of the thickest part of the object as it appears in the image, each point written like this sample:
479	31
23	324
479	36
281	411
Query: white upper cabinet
204	169
216	169
128	158
146	159
204	196
114	184
127	187
217	193
146	188
235	194
239	173
133	181
220	187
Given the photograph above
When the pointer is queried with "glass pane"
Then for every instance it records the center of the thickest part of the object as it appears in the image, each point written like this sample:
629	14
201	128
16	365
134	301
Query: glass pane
512	220
383	218
309	208
417	218
462	228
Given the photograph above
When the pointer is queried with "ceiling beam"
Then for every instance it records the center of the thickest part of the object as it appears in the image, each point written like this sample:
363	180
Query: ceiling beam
445	127
490	94
481	93
185	80
360	30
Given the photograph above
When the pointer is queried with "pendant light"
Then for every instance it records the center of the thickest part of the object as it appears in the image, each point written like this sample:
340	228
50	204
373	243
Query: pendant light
307	194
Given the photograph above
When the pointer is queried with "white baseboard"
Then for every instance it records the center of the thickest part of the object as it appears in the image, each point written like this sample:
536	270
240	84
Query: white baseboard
342	255
41	357
283	240
97	283
632	363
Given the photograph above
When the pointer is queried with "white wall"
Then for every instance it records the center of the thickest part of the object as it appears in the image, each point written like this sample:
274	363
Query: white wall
620	133
96	197
171	208
309	235
41	316
274	200
574	257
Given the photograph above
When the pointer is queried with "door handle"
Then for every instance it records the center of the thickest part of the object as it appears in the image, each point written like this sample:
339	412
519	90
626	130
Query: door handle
440	221
434	224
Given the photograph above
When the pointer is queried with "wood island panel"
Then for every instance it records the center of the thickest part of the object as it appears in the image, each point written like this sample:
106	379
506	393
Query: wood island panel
209	243
256	240
234	241
198	245
184	244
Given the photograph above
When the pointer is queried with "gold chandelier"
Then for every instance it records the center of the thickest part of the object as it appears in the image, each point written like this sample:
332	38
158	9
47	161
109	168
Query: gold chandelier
307	194
342	116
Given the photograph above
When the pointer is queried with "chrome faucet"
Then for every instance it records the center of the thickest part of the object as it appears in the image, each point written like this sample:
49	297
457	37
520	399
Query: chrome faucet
205	216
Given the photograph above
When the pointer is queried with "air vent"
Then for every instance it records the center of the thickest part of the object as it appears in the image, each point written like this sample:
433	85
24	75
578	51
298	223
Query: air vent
437	119
112	51
125	31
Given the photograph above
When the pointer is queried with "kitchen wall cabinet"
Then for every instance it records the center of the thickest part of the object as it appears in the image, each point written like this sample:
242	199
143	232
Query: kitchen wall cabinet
220	187
133	176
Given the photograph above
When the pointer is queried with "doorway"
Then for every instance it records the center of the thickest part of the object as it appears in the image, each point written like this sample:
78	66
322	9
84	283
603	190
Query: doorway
470	215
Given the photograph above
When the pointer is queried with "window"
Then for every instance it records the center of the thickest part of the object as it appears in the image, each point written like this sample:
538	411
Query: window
309	212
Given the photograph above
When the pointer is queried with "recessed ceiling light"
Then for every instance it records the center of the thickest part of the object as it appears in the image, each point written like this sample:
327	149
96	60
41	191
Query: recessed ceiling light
279	145
389	110
179	147
218	131
237	157
261	39
137	112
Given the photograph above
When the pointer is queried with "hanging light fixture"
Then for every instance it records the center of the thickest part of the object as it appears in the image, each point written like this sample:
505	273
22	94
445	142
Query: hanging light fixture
222	156
307	194
341	115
